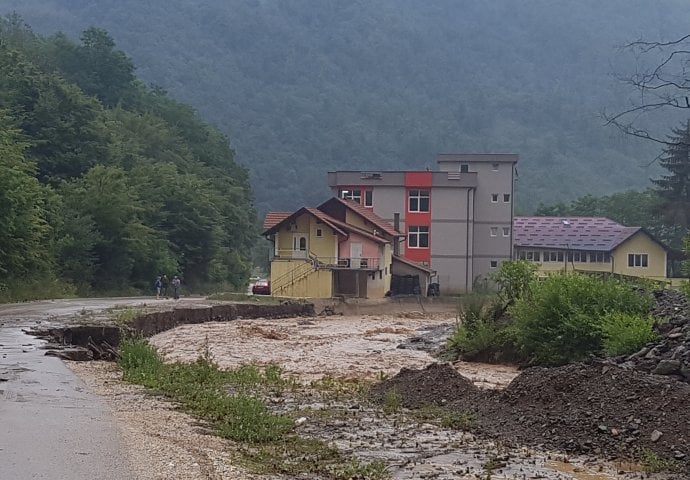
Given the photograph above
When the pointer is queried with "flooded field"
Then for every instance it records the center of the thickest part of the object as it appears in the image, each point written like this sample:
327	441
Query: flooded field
334	359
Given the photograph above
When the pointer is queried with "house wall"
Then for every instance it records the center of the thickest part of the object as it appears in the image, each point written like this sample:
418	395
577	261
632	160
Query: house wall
316	284
325	246
641	243
370	248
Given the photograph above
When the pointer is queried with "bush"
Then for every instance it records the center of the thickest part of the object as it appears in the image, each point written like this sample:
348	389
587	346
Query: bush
561	322
625	334
480	341
514	280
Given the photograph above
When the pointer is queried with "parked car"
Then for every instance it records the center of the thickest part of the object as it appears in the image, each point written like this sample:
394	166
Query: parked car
262	287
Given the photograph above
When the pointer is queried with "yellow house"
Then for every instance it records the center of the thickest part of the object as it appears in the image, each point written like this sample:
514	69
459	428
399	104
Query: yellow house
339	248
590	244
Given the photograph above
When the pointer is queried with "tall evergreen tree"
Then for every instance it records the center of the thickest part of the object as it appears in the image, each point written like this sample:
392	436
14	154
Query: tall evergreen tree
674	187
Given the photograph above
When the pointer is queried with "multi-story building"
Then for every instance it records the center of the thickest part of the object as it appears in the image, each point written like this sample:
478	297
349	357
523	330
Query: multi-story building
457	220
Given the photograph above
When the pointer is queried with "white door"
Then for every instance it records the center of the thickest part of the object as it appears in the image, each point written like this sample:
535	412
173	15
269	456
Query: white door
299	246
355	255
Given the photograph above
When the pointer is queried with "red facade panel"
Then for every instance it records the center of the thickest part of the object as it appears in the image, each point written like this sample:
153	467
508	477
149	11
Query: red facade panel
418	216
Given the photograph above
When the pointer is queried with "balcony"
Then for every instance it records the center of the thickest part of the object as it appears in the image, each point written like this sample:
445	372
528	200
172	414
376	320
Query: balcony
333	263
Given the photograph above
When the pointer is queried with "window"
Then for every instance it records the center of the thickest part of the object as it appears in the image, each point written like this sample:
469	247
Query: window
493	264
506	231
319	232
638	260
419	201
494	197
418	237
464	168
355	195
529	255
368	198
494	231
494	167
506	197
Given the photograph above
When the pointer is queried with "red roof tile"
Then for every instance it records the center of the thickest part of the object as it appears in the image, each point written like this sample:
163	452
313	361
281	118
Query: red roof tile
274	218
312	211
368	214
581	233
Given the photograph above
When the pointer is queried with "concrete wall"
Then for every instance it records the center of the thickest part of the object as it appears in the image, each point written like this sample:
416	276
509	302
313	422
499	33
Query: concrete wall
451	230
458	263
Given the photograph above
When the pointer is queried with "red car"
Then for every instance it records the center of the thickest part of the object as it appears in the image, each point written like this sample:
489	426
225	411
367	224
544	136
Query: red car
262	287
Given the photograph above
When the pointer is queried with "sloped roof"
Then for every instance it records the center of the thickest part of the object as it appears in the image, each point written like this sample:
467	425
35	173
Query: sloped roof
366	213
580	233
312	211
418	266
353	229
274	218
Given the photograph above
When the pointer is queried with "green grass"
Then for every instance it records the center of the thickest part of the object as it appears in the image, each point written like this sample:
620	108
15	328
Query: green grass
35	289
230	402
653	463
200	388
392	402
125	316
445	418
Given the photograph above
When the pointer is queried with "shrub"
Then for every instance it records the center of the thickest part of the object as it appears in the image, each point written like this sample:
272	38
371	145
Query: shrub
625	333
561	322
480	340
514	279
685	288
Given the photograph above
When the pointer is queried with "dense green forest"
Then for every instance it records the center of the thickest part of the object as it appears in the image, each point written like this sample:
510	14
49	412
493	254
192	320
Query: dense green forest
303	86
106	183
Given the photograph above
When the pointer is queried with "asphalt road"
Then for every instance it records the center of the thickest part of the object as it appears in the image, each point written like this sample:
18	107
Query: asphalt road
51	426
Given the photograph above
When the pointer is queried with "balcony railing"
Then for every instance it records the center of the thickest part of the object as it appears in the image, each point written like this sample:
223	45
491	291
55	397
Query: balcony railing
359	263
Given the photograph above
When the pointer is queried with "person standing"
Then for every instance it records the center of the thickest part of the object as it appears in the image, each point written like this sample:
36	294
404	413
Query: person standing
165	283
157	285
176	287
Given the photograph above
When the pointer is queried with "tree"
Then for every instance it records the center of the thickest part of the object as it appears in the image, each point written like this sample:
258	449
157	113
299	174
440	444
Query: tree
23	229
663	83
96	66
674	187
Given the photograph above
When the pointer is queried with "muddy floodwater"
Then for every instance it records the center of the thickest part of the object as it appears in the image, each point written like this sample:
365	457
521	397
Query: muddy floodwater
367	349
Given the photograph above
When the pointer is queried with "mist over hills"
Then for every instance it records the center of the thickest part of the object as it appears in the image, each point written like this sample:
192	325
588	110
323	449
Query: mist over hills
301	87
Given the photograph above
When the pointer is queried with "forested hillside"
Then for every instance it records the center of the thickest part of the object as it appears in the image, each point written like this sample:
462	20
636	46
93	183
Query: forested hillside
305	86
105	183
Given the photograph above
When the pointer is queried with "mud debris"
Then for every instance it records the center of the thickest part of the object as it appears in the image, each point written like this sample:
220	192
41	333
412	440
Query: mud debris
597	409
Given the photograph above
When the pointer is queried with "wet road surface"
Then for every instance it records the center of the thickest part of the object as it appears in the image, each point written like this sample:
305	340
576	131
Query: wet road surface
51	426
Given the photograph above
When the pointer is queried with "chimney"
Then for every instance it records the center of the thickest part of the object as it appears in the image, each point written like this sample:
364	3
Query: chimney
396	227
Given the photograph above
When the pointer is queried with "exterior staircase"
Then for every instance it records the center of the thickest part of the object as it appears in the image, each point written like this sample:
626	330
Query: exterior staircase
285	282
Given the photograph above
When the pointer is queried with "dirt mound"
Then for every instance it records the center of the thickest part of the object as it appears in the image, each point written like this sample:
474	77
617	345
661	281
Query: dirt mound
437	384
597	409
670	355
